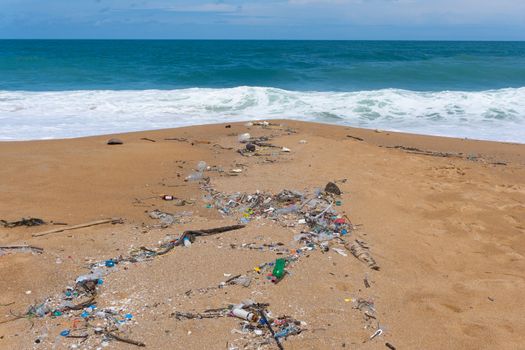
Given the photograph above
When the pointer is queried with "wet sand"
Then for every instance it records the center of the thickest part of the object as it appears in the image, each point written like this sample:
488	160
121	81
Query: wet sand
444	219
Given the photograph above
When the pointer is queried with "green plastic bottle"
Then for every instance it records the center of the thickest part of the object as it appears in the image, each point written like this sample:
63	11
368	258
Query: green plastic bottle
278	269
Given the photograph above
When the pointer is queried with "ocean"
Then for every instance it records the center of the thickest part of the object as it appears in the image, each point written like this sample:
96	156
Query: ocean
69	88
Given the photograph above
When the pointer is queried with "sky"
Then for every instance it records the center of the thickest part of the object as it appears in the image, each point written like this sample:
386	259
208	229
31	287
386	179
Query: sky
264	19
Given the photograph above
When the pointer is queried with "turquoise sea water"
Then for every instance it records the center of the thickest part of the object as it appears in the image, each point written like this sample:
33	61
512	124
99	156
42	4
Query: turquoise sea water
71	88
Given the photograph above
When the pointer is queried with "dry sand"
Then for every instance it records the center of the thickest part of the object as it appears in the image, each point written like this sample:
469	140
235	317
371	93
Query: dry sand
447	232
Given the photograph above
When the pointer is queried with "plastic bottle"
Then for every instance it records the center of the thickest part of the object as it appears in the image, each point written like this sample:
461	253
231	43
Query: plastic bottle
278	270
244	314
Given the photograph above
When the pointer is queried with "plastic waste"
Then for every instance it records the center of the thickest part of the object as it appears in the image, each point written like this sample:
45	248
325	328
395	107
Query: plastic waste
244	137
194	176
288	210
201	166
187	242
244	314
94	276
278	270
41	310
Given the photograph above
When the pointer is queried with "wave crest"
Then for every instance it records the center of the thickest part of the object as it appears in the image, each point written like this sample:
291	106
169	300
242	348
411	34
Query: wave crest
492	114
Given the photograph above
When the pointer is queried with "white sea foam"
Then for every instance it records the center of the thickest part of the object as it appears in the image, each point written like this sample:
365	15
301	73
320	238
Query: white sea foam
492	115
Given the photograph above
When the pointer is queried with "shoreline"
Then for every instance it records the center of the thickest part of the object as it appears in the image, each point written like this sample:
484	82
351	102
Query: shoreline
378	137
442	217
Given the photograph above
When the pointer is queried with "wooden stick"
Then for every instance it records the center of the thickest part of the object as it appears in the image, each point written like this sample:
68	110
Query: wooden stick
88	224
355	138
125	340
212	231
36	249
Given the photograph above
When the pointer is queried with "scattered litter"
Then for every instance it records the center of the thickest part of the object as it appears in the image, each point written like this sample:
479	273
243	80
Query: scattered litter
166	219
244	137
285	149
365	281
20	249
22	222
278	270
377	333
201	166
244	281
332	188
339	251
359	249
258	327
115	141
196	176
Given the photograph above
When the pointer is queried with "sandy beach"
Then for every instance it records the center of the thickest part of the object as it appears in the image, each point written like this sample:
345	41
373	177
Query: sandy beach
443	219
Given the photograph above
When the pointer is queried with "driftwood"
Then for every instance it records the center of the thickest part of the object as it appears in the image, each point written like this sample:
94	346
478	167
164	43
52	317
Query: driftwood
214	313
355	138
222	147
213	231
22	247
22	222
180	139
125	340
415	150
88	224
147	139
191	234
81	305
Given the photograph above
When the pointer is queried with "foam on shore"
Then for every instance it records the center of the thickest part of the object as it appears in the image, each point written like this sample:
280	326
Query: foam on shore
497	115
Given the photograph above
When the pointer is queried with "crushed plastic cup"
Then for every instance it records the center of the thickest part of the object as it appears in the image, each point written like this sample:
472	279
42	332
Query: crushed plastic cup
194	176
244	137
201	166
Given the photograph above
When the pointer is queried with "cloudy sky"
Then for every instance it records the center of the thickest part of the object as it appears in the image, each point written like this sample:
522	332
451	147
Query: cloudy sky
264	19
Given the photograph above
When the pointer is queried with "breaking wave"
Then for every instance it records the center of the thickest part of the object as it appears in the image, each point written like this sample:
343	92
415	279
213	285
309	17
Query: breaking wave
491	115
